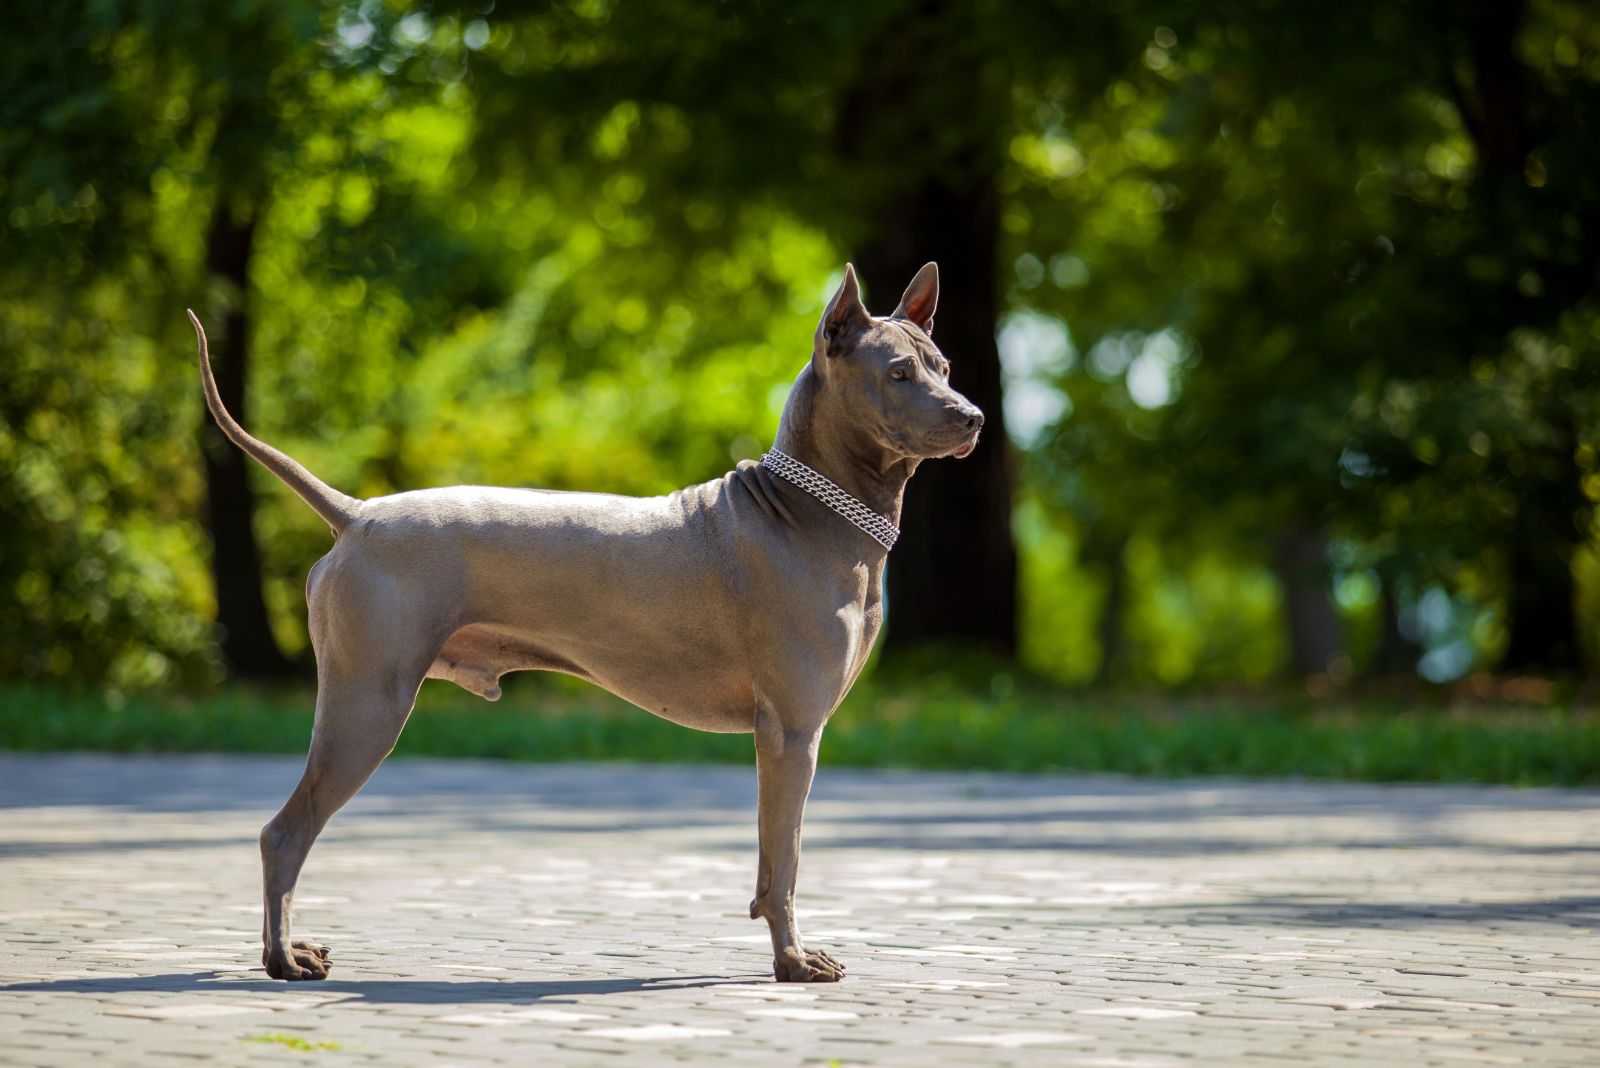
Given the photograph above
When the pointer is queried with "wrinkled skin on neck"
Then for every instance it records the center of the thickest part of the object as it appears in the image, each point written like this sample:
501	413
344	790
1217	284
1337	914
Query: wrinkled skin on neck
854	458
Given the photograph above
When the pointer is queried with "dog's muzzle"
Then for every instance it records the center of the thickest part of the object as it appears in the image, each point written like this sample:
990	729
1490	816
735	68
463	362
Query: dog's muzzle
970	419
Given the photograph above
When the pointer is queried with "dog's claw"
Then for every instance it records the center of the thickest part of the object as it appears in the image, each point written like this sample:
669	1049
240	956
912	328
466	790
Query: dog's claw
321	951
807	966
826	958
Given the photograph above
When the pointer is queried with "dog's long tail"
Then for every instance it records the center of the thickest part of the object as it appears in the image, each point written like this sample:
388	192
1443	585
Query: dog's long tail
333	506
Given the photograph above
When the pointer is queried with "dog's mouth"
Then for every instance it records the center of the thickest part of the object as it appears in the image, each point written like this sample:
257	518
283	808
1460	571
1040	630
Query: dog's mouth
937	450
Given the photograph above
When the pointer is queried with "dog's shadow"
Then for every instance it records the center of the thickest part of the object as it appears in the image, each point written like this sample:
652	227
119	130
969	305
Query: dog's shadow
382	991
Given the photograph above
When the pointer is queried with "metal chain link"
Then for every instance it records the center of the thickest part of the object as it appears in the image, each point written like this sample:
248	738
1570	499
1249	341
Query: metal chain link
823	489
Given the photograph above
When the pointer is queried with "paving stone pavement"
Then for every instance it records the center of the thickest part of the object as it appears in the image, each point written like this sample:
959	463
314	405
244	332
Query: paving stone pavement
484	913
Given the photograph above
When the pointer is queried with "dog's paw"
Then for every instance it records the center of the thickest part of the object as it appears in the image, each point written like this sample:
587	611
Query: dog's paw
304	961
806	966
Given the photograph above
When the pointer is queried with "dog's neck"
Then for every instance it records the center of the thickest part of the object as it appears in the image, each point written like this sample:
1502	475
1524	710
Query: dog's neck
817	434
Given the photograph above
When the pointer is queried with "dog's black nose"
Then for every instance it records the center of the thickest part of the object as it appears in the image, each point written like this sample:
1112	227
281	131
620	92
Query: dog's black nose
974	417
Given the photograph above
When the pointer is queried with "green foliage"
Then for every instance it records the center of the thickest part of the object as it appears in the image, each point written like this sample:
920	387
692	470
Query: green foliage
1307	290
98	574
929	717
1267	264
424	315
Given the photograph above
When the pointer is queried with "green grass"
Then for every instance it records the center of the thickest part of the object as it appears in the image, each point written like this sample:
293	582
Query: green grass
925	722
294	1042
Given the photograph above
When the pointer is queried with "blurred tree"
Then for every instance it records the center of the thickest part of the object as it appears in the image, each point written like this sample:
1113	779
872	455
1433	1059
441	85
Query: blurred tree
218	85
1546	236
1281	292
243	71
248	644
89	582
919	157
1333	299
924	155
150	143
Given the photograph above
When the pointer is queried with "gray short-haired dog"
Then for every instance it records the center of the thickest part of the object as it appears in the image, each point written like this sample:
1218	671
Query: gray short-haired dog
745	604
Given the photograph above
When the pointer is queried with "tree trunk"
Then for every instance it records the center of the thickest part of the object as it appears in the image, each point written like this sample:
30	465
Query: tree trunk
1541	614
1300	559
1109	554
1498	110
953	574
920	154
1397	654
248	645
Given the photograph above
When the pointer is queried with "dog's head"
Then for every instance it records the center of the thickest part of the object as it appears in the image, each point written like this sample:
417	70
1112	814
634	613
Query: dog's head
889	377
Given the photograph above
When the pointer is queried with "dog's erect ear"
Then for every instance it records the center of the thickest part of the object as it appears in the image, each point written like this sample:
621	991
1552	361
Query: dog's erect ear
921	298
843	316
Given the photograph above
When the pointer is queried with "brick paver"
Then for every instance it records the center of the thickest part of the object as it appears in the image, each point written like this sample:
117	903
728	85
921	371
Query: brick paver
484	914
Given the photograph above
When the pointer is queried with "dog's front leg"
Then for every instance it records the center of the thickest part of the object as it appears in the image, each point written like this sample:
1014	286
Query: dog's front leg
786	760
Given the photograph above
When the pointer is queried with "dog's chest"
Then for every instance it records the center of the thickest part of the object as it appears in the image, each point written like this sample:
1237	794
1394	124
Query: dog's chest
871	619
868	600
858	619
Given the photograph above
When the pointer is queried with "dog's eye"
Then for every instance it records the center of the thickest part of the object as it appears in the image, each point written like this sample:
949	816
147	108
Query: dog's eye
899	374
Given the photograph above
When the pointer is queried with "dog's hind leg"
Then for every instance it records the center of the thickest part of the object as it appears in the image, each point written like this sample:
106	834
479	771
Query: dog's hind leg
358	721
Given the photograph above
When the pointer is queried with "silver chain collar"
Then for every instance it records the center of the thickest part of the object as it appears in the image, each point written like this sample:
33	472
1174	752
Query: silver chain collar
823	489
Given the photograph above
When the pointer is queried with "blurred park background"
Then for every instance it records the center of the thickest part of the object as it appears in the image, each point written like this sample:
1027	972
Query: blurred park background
1292	308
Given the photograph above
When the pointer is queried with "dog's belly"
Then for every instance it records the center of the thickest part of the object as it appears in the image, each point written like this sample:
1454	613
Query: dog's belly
476	656
706	704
